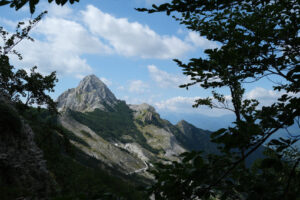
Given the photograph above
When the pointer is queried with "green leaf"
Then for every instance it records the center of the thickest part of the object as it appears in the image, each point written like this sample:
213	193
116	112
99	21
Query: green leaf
4	2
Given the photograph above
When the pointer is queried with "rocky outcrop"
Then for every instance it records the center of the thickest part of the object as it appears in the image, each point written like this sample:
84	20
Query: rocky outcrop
157	132
90	94
23	170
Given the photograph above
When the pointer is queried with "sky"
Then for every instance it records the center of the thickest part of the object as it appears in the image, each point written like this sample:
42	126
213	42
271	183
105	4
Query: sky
130	51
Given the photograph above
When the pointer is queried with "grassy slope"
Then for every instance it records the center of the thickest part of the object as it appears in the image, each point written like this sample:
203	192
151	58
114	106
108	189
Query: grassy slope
75	179
115	125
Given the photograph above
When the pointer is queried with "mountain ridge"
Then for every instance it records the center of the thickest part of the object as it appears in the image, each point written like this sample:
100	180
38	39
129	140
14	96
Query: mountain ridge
134	131
129	137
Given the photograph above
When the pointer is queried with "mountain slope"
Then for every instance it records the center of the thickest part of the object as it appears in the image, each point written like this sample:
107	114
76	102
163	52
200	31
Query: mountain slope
78	175
195	139
129	138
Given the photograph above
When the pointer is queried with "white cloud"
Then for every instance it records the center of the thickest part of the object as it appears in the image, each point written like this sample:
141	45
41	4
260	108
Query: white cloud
59	47
264	96
70	36
58	11
62	39
200	41
165	79
138	86
181	104
132	38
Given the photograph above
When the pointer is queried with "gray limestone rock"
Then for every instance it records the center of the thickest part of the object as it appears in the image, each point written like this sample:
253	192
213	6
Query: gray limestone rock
90	94
144	112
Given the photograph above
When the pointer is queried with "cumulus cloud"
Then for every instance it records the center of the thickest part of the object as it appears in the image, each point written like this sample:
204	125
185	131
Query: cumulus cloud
264	96
165	79
58	11
199	41
63	38
262	93
184	105
132	38
59	47
138	86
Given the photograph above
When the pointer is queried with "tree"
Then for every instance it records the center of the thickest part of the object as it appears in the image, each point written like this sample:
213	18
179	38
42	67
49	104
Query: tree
258	40
17	84
17	4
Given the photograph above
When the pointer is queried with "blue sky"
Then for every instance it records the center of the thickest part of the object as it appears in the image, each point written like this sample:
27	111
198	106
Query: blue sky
130	51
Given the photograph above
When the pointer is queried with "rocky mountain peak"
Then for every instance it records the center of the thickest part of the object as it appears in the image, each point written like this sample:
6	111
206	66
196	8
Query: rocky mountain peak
90	94
90	83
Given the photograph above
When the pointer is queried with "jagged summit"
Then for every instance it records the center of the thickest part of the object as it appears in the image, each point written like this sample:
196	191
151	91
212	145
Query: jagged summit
90	82
91	93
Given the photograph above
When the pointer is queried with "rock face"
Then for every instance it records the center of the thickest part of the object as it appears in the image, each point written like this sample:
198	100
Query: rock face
23	169
158	132
90	94
144	112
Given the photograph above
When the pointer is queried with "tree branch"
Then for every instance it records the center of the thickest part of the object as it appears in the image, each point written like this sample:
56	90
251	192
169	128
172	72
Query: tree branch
235	164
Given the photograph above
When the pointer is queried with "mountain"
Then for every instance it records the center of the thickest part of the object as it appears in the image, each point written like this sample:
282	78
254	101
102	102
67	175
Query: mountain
129	138
196	139
99	147
200	120
90	94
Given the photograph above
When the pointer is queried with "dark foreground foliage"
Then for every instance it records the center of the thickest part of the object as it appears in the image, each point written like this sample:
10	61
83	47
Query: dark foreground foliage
257	41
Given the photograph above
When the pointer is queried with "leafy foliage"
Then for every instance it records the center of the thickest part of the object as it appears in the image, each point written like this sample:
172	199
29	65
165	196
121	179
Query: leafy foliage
22	32
257	40
18	84
17	4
